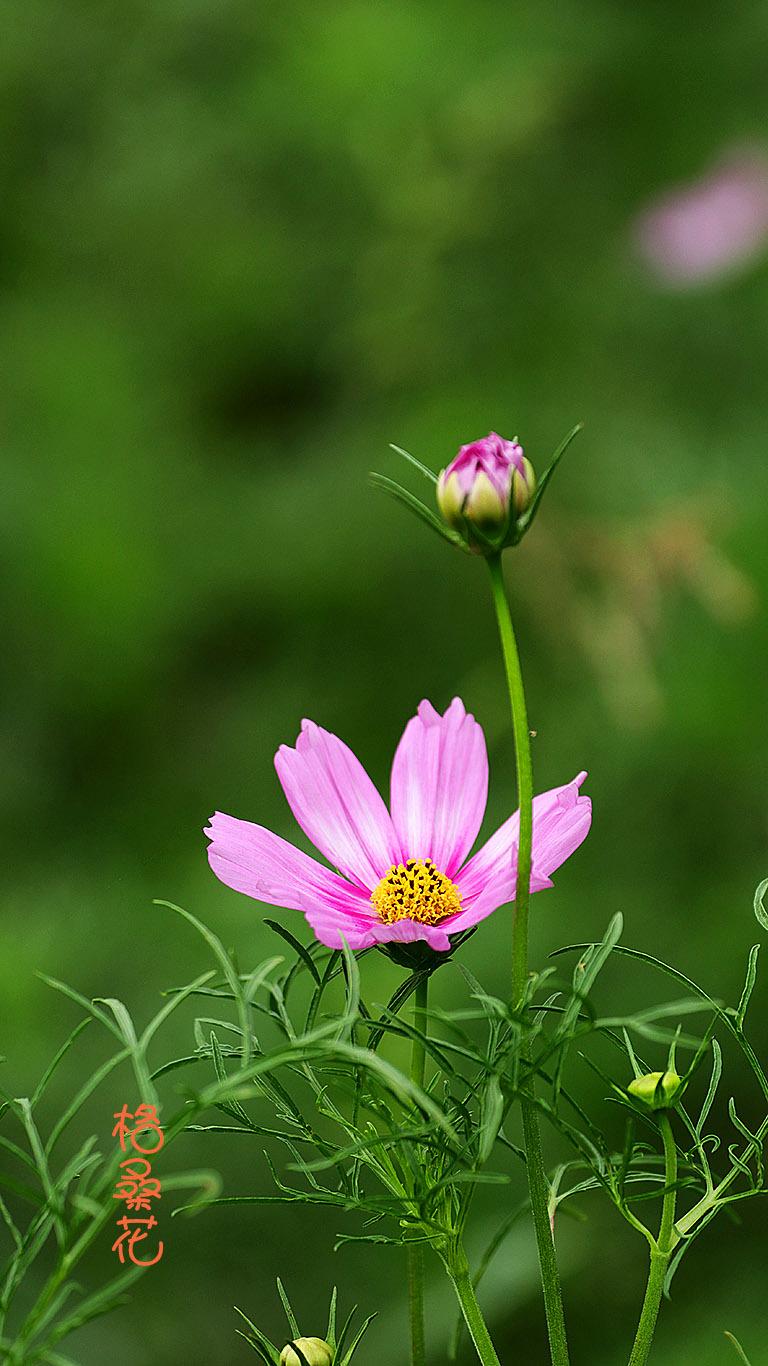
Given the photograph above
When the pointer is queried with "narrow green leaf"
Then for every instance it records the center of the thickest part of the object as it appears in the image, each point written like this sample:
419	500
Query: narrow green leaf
492	1116
65	1047
754	1140
230	1107
89	1006
738	1347
741	1009
82	1096
13	1148
376	1142
585	974
101	1302
352	979
717	1070
297	947
331	970
168	1009
759	903
230	974
398	999
10	1225
52	1194
128	1033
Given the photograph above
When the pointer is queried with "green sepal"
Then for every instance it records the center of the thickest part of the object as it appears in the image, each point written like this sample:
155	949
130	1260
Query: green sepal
519	527
330	1332
349	1355
423	469
266	1350
419	956
381	481
289	1314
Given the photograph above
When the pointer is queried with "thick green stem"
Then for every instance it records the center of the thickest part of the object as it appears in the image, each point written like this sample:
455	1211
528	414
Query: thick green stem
537	1180
465	1293
661	1253
416	1250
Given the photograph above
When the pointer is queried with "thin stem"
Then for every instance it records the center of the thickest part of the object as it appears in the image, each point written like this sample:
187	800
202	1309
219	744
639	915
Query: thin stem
524	781
537	1180
416	1250
465	1293
661	1252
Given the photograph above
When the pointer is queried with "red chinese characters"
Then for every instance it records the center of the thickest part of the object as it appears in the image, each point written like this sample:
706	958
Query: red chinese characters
141	1132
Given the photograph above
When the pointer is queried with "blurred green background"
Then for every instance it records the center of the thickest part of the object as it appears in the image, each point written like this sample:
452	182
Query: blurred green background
242	248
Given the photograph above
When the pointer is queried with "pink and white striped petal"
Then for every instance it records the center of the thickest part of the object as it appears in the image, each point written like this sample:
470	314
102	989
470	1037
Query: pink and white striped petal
440	785
337	805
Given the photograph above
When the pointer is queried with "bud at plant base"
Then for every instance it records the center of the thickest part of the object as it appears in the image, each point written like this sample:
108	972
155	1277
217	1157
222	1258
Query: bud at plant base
485	489
313	1350
656	1089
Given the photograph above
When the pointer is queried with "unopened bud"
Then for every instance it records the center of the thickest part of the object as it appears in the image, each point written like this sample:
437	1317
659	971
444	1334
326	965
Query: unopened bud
313	1350
656	1089
486	488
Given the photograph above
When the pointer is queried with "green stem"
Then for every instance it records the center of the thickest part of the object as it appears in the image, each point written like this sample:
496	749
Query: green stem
524	782
465	1293
416	1250
537	1180
661	1252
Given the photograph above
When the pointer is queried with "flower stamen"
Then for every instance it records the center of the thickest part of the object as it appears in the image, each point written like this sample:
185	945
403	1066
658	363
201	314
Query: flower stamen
415	890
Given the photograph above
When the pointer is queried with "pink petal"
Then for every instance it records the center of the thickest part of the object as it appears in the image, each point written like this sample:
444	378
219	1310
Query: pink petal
337	805
253	860
440	785
561	820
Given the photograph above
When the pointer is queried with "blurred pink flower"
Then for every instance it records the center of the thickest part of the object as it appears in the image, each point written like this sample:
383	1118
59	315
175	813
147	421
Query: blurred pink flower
710	228
403	876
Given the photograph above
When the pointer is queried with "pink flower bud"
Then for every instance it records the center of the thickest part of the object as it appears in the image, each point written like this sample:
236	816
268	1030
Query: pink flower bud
487	486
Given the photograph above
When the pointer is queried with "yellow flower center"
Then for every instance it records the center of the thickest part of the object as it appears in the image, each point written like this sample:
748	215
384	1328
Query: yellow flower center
415	890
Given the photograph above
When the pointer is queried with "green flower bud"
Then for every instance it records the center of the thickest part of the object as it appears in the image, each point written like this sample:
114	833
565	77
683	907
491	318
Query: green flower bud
314	1351
656	1089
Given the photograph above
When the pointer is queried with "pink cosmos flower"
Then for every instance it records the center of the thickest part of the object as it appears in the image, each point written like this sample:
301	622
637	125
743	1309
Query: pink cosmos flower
712	227
402	876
